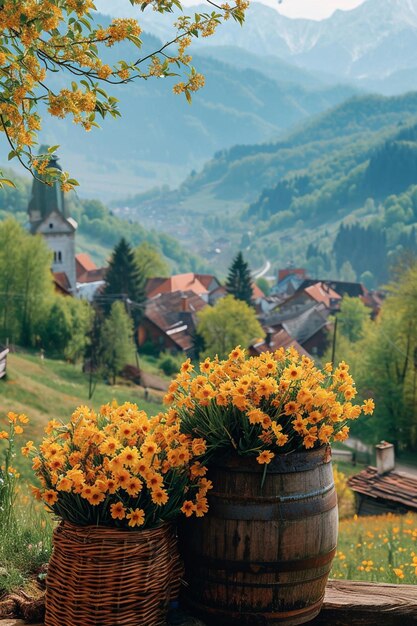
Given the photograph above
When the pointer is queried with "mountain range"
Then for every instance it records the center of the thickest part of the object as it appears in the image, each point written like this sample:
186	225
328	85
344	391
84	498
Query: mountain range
160	137
373	45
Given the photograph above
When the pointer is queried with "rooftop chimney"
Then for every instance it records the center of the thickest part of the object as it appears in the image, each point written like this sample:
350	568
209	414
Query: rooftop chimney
184	302
385	457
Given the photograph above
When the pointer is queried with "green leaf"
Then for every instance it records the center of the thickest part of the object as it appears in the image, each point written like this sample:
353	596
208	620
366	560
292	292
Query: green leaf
52	149
6	182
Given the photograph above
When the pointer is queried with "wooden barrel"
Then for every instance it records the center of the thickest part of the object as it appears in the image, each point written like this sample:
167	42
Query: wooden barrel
262	556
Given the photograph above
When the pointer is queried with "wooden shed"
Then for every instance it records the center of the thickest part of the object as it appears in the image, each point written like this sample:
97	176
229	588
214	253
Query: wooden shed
382	489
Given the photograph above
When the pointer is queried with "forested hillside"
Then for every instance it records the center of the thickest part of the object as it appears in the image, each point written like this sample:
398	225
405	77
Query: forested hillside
355	165
98	228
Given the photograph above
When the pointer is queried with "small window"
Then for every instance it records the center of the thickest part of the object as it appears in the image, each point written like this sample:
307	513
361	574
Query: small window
55	257
59	257
51	225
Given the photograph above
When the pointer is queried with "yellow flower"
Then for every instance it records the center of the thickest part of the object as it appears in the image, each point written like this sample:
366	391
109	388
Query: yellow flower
159	497
50	497
4	434
134	486
368	406
398	572
27	448
188	508
129	456
51	426
18	429
237	354
136	517
117	511
309	440
201	506
96	496
65	484
265	457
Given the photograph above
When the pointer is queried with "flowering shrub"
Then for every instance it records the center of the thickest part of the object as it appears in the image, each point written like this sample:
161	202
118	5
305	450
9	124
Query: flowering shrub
273	403
8	473
120	468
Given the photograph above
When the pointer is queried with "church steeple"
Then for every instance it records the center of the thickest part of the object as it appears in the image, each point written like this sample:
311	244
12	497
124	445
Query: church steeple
48	216
46	198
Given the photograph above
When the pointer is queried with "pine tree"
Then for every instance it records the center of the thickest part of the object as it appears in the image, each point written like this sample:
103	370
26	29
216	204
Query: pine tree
239	280
124	282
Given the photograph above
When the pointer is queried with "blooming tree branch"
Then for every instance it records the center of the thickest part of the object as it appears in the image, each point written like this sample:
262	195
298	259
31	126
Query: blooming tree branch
39	38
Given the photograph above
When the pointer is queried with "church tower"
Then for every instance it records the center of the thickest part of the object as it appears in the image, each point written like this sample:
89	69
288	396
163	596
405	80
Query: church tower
48	216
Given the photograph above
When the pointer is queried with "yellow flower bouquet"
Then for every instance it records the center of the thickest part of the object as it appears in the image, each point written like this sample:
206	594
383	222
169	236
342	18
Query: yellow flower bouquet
116	478
120	468
273	403
267	422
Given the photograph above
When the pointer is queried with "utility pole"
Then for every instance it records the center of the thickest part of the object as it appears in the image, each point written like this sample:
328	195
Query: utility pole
334	339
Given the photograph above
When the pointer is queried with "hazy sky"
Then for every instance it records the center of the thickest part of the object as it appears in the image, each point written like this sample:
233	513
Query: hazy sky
314	9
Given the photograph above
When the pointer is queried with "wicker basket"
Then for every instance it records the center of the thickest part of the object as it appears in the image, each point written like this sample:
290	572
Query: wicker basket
102	576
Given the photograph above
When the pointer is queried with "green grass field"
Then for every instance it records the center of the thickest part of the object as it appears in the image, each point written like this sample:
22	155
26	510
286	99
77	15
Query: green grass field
377	549
53	389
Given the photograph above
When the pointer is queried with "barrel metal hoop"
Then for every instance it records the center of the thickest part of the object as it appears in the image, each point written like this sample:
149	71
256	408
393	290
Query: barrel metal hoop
273	499
243	616
265	567
293	510
231	585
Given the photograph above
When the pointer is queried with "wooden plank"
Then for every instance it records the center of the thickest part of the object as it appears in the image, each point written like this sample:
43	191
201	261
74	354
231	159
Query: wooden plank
347	603
353	603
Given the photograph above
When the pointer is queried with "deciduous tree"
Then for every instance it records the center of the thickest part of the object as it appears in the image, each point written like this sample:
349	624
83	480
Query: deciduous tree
116	340
229	323
150	261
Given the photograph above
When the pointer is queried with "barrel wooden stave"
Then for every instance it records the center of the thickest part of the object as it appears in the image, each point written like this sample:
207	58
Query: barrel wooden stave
263	554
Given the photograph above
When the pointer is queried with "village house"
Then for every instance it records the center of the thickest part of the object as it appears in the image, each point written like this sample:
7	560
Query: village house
307	324
382	489
274	340
289	280
170	322
315	293
200	284
90	278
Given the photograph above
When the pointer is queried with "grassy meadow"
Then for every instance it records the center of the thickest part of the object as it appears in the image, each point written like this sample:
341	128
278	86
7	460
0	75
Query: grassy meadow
51	389
377	549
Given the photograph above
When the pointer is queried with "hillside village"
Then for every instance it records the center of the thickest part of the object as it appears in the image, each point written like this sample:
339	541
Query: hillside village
299	311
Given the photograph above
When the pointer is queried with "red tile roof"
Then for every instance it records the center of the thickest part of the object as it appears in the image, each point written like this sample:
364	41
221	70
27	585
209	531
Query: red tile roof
83	263
178	282
257	292
323	293
206	280
92	276
62	282
397	487
279	339
292	271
